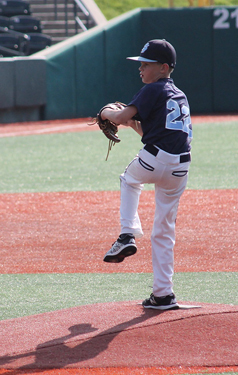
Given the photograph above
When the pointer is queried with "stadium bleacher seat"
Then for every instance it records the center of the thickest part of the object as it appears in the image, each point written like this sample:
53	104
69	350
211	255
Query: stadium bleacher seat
4	21
7	52
38	42
10	8
25	24
10	41
23	39
20	33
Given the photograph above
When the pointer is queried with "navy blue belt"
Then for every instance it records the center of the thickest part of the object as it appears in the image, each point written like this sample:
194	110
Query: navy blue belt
154	151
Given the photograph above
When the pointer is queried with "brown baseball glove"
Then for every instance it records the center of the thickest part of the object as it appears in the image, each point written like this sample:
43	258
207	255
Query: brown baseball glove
109	128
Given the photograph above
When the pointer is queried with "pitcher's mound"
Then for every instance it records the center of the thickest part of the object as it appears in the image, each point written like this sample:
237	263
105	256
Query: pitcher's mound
122	334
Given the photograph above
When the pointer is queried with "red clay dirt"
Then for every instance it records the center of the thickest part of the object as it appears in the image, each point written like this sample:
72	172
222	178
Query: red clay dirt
49	232
127	336
70	232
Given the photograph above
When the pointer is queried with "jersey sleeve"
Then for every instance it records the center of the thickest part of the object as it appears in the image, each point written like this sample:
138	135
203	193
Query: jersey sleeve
145	101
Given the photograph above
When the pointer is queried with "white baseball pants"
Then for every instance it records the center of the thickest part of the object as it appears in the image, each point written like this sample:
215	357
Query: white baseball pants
170	178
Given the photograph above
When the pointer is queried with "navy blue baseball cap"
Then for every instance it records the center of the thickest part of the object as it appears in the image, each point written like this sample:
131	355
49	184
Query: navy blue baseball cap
157	50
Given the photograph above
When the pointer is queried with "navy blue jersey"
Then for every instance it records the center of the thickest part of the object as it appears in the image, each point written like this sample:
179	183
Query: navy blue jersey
163	111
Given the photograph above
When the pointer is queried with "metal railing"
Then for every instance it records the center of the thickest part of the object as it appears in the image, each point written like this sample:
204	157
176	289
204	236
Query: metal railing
78	6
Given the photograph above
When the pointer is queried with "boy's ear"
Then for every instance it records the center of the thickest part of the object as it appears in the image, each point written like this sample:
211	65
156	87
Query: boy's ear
165	67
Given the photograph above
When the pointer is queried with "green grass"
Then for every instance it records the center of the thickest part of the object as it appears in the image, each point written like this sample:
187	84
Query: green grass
115	8
28	294
76	161
214	156
59	162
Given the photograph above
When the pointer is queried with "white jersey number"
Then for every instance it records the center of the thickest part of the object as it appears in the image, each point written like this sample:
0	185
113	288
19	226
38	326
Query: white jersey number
178	112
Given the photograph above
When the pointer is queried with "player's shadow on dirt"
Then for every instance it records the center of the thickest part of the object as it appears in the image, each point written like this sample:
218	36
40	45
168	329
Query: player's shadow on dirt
57	354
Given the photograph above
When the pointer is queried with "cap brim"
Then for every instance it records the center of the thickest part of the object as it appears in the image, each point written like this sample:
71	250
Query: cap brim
139	58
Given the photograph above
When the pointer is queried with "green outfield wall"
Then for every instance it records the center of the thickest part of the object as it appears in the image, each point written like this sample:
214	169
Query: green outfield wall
76	77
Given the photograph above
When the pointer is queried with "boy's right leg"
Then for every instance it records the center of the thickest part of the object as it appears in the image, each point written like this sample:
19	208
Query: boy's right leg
129	218
130	222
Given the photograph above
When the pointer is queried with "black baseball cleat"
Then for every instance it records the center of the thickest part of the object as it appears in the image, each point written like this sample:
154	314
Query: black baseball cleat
123	247
161	303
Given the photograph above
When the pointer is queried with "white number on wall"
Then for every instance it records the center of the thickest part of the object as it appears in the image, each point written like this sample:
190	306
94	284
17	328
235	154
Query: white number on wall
235	15
223	18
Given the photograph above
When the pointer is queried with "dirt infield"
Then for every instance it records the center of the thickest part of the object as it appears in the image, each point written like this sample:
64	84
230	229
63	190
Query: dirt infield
56	228
48	232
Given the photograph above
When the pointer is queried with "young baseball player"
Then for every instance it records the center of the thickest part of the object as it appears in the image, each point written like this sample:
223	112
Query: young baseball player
160	114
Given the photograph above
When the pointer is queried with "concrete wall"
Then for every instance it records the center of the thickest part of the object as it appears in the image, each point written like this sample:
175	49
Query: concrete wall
23	89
